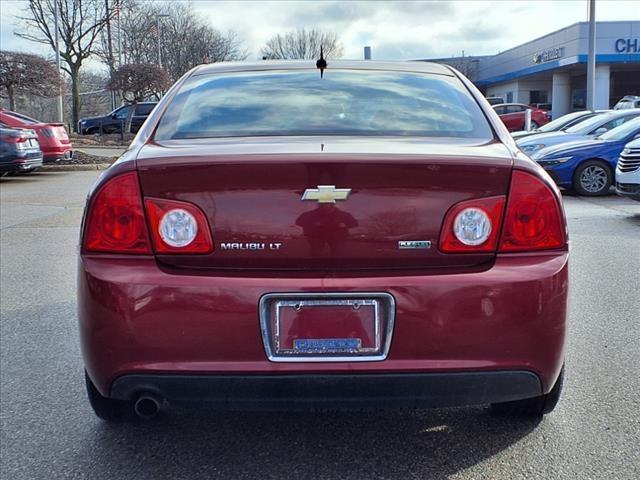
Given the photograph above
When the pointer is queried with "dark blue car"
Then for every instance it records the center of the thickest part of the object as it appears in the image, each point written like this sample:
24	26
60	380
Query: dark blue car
588	166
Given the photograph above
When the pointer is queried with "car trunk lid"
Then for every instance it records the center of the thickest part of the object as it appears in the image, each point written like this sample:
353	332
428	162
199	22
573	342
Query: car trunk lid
252	195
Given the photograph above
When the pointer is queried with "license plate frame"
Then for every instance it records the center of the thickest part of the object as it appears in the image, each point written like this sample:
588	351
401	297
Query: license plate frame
324	349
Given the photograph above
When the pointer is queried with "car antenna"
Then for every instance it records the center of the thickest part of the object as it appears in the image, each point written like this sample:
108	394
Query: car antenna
321	63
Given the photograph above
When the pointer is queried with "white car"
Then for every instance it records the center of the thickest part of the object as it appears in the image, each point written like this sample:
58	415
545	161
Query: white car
628	101
628	171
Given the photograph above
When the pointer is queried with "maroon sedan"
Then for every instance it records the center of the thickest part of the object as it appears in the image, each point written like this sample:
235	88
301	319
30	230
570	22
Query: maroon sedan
280	239
512	115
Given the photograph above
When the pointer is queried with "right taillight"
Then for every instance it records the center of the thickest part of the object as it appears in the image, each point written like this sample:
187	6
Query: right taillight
533	219
115	221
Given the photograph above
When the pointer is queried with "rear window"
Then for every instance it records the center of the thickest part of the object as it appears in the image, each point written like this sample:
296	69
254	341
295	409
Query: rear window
344	102
593	124
145	108
515	109
566	121
22	118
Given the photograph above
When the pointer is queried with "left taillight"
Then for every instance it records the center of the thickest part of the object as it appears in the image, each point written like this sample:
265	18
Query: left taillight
13	138
473	226
115	221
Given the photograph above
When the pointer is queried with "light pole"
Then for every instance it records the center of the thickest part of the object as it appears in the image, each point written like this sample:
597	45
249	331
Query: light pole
59	106
591	61
158	16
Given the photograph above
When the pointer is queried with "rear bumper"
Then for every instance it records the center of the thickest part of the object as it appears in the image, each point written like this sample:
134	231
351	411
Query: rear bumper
54	154
301	392
138	319
22	164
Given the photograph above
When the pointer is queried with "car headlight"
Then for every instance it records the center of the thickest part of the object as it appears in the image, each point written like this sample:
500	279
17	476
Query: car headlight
533	148
545	162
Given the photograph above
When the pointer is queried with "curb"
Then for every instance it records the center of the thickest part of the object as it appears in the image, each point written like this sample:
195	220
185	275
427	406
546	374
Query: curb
74	168
107	147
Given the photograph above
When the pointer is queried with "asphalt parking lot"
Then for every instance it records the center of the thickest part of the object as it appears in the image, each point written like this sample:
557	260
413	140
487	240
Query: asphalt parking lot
49	431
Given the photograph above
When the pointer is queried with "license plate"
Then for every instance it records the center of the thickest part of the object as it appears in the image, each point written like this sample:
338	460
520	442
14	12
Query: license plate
323	327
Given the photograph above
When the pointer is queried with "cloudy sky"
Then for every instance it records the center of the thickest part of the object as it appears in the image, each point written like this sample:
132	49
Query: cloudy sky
395	30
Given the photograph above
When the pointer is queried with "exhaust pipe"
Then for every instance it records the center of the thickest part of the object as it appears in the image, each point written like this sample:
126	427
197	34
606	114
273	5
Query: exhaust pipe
147	406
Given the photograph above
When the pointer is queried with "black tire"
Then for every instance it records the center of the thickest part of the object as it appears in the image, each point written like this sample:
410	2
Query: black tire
533	408
91	131
105	408
534	125
592	178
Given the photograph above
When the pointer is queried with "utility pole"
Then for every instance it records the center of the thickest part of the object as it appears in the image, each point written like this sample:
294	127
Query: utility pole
159	42
159	32
59	106
591	61
110	52
118	7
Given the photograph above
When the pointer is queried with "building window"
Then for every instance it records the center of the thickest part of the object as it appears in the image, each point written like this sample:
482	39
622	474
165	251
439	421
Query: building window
579	99
538	96
509	97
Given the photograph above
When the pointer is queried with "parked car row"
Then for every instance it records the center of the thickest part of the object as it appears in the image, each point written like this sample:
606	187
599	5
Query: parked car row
581	150
52	137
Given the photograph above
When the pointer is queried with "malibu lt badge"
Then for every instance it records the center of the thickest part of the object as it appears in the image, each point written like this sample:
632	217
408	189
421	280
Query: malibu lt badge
250	246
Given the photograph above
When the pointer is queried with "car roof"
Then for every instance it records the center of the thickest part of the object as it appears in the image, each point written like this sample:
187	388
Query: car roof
508	104
266	65
621	113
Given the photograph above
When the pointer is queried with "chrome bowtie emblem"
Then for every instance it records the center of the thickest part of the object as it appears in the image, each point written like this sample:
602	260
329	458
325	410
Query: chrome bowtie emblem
326	194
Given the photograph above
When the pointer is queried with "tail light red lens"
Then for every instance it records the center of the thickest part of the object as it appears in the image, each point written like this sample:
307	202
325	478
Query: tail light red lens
533	220
178	227
115	222
13	139
473	226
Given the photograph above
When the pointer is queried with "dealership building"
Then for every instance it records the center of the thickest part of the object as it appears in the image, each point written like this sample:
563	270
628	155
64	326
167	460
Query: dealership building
553	68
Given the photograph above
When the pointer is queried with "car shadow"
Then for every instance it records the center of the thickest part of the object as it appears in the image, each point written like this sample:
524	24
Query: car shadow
29	177
633	219
323	444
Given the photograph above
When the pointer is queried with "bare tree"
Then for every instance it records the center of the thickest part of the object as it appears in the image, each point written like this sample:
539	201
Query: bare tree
96	97
79	25
23	73
185	39
302	44
137	82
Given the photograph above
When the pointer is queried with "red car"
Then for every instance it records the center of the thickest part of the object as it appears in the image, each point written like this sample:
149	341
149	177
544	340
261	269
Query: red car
277	238
52	137
512	115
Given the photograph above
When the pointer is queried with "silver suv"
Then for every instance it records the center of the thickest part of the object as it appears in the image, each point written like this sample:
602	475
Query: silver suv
628	101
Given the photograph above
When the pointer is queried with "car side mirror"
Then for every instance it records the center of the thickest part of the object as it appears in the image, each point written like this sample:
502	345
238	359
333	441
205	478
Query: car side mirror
600	131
